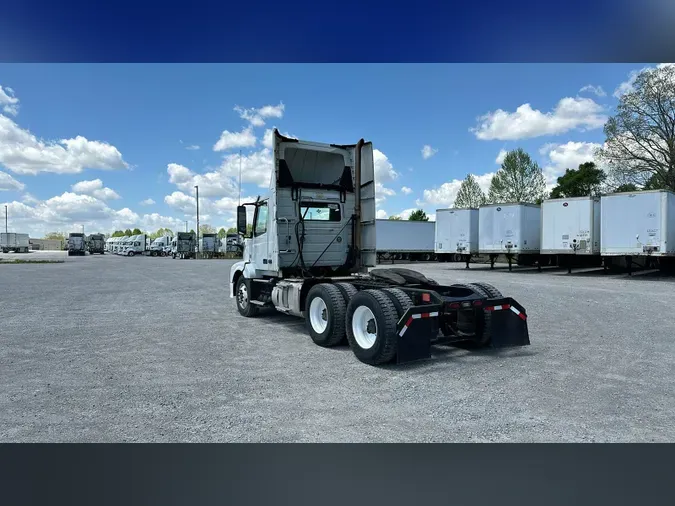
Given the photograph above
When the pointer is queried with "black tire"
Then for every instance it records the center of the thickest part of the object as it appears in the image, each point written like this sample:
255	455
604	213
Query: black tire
383	349
173	255
131	253
348	291
489	291
402	302
244	305
333	314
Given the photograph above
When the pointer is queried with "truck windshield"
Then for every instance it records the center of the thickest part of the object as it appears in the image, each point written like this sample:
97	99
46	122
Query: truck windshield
320	211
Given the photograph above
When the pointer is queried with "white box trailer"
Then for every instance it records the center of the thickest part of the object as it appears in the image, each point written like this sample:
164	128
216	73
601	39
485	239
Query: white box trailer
456	232
18	243
571	223
509	228
638	223
404	239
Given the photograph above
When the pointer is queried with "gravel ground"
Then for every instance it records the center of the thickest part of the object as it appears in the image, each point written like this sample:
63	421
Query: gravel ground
36	256
105	348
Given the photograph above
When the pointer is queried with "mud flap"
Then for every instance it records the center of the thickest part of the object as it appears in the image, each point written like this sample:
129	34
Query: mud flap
509	323
414	332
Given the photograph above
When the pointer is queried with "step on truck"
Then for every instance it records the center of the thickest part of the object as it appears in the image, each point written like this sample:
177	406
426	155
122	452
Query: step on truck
96	244
309	253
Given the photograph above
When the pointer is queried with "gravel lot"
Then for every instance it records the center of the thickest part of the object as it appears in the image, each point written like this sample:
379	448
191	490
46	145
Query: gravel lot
37	256
105	348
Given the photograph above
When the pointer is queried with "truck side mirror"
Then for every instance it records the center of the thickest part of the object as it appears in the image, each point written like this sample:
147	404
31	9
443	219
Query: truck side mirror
241	220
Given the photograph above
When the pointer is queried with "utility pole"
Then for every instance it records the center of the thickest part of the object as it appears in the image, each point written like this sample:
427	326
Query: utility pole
197	188
186	226
240	177
6	220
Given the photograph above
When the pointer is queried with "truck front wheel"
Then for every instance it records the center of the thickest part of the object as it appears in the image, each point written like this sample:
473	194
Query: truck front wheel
371	327
244	298
325	314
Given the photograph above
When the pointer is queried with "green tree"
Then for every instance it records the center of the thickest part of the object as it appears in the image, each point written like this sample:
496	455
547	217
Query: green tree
518	180
640	137
626	187
418	215
586	180
232	230
192	231
136	231
128	232
56	236
395	218
206	229
469	194
222	233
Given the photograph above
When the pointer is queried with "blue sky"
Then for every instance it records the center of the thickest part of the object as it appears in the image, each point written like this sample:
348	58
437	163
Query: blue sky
129	133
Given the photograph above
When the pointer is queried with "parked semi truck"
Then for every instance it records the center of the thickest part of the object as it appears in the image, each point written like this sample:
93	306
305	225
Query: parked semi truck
183	245
159	246
17	243
312	243
208	245
96	244
76	244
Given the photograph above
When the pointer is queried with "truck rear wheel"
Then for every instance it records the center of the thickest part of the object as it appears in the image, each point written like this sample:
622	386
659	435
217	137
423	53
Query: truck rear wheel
489	291
325	314
371	327
244	298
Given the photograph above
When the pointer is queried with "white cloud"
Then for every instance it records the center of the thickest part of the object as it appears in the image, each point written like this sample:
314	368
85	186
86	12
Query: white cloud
8	101
22	153
525	122
211	184
405	190
224	208
597	90
7	183
96	189
230	140
570	155
428	151
147	202
500	156
446	194
627	85
381	214
257	117
70	212
384	170
192	147
256	167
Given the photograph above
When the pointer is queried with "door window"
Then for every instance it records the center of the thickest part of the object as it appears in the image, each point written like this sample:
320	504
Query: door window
261	220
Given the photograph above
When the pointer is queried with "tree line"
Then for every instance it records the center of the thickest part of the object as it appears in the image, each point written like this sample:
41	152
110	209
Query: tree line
161	232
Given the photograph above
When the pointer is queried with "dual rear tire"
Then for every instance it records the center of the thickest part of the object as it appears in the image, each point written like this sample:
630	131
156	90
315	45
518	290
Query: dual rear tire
367	319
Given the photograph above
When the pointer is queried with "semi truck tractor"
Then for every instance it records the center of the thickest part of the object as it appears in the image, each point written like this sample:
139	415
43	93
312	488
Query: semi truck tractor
183	245
310	250
96	244
76	244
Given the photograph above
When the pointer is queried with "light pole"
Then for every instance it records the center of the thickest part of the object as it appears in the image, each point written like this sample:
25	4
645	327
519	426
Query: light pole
197	188
186	226
5	219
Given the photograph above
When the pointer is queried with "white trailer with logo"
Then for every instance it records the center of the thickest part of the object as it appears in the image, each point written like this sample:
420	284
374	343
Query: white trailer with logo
456	234
509	229
638	224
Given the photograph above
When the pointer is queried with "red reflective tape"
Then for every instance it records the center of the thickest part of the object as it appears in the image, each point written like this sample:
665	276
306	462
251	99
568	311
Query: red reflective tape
410	320
425	315
490	308
522	316
506	306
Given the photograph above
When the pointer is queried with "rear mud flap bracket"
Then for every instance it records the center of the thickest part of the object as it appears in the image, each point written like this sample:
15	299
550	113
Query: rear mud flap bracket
415	331
509	323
